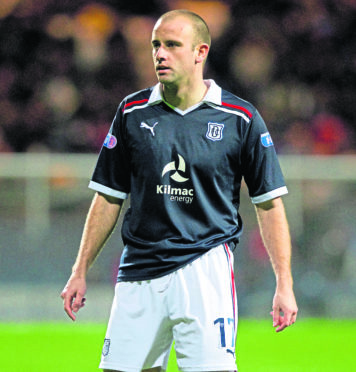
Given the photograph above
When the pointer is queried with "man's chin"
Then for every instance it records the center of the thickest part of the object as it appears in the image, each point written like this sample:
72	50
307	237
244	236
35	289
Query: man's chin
165	78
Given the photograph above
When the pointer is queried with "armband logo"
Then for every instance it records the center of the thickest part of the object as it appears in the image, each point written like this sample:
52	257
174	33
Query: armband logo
110	141
266	139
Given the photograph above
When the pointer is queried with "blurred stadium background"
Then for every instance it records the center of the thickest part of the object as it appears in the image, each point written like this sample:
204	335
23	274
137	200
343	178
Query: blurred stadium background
65	66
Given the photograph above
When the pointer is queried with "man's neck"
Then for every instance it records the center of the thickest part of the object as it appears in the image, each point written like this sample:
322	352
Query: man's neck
185	96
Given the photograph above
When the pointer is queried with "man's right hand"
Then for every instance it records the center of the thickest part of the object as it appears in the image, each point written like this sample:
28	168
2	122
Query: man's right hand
73	295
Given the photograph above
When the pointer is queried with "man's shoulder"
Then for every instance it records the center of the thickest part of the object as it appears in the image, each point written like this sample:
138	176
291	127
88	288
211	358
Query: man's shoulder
235	103
136	99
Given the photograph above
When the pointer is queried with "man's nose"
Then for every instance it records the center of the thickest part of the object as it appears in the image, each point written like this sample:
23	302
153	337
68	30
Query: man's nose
160	54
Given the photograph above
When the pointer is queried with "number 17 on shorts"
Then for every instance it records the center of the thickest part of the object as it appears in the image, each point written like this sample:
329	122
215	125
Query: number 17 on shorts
226	332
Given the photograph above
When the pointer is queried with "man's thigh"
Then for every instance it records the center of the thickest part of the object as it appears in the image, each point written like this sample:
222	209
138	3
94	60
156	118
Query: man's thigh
139	334
204	311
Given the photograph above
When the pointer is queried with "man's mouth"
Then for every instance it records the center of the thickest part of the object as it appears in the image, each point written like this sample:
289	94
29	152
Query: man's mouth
162	68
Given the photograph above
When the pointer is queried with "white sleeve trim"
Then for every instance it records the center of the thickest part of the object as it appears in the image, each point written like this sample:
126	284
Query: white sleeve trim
270	195
107	190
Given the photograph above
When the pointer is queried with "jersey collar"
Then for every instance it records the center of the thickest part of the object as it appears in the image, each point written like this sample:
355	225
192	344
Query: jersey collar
213	96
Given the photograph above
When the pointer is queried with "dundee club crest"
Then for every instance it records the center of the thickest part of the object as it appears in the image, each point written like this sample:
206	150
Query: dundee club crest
215	131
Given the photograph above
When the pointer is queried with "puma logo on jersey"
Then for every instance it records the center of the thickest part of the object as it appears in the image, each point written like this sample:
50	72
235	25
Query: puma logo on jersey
151	129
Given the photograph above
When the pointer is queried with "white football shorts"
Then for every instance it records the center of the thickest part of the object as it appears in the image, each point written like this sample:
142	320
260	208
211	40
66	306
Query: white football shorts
194	306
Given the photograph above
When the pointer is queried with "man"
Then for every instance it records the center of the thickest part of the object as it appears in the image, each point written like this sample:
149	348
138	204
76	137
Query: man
181	149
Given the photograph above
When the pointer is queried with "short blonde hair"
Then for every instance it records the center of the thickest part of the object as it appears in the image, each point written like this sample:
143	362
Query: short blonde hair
201	29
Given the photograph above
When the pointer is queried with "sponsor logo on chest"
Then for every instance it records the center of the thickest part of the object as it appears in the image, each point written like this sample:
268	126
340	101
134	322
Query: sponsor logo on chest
176	173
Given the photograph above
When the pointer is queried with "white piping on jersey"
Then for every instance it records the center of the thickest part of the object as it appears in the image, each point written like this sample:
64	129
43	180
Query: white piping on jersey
183	112
213	96
237	113
270	195
212	99
135	108
107	190
172	107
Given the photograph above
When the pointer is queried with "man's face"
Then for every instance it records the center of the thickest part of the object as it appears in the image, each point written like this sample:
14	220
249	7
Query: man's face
173	51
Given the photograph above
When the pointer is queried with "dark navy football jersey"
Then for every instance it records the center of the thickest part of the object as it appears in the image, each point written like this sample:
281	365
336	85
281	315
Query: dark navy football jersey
183	171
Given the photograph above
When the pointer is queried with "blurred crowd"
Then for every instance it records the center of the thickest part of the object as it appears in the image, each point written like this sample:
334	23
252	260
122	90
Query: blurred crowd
66	65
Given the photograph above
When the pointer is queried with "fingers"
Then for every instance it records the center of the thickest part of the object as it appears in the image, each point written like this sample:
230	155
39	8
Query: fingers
73	295
72	302
67	302
284	308
78	303
283	323
68	298
282	320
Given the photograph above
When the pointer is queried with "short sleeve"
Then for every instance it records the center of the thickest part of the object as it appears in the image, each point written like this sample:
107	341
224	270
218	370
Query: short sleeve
112	172
261	169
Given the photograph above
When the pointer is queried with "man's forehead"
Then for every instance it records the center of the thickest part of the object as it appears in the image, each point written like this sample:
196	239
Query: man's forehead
174	25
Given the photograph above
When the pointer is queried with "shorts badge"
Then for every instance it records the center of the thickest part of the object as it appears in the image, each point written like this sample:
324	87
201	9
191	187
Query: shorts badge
106	347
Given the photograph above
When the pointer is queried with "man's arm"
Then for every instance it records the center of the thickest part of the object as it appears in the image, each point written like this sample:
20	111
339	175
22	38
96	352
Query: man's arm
101	220
275	234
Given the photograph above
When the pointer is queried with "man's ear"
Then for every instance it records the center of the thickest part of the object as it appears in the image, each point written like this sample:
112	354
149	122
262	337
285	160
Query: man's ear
202	51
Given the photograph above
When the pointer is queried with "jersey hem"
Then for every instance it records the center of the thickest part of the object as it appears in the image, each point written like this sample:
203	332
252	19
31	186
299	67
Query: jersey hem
270	195
107	190
139	278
